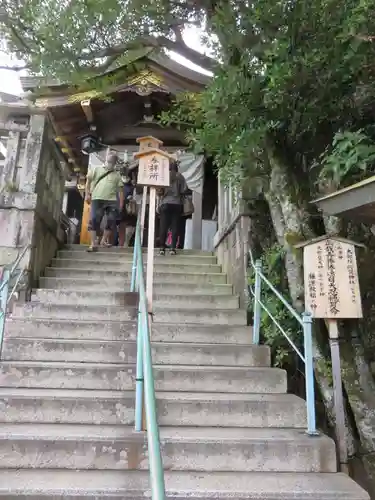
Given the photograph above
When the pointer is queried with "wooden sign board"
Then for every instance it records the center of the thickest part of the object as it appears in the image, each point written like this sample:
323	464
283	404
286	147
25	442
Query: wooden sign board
331	280
153	169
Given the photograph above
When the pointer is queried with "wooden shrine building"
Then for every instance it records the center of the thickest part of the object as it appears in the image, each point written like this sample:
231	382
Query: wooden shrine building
133	97
46	137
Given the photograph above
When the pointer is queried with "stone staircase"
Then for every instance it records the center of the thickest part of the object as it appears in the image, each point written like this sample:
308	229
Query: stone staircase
228	429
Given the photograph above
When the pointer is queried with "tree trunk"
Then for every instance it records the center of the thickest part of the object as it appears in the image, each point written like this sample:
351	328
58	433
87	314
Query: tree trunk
292	225
360	388
357	379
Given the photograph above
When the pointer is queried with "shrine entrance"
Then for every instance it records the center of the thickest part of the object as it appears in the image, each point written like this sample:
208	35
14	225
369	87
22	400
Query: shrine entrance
140	92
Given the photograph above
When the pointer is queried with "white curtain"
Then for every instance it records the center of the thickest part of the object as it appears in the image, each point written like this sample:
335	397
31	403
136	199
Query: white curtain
191	167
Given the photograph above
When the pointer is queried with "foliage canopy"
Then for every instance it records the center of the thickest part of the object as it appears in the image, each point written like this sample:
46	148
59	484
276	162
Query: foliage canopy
291	75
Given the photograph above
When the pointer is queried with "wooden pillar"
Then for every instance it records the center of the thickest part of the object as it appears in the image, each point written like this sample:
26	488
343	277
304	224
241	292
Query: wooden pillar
197	220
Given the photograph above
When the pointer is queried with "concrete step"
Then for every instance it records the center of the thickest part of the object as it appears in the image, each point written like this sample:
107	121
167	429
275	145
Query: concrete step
105	313
83	248
104	256
102	376
79	312
119	285
106	297
106	276
94	351
159	265
182	409
66	446
121	330
27	484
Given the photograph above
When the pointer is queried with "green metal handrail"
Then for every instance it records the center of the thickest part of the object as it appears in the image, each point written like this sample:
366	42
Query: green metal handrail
305	322
6	274
145	387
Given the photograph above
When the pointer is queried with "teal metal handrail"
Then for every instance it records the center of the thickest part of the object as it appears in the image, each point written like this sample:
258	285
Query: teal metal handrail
305	322
6	274
145	386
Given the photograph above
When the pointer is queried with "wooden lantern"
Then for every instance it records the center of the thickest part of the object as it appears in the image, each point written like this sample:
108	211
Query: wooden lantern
148	142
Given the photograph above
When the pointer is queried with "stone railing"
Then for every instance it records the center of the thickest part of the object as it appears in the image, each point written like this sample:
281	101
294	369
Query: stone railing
232	238
31	192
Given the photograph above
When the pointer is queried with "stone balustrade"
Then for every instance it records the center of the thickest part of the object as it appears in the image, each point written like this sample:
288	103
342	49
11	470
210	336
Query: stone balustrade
232	238
32	181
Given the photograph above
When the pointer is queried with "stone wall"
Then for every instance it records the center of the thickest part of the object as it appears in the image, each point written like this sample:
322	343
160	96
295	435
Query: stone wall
232	238
31	195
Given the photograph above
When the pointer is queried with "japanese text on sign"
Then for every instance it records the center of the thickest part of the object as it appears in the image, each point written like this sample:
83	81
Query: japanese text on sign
153	170
330	271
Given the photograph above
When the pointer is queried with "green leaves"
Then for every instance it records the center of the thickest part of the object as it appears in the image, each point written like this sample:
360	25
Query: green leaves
292	73
351	156
73	40
283	354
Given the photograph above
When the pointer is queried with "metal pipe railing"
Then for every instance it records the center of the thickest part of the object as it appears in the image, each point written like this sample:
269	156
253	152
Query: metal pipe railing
305	322
5	278
145	386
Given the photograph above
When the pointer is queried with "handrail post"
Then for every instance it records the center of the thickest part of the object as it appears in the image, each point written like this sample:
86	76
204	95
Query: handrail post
153	438
257	306
338	397
4	281
145	387
139	376
309	374
134	264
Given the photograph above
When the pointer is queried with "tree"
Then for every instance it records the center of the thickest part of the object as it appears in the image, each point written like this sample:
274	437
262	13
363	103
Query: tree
72	40
302	97
293	75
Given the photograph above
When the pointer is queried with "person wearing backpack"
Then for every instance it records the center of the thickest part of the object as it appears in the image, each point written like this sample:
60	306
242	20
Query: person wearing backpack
171	204
128	215
103	186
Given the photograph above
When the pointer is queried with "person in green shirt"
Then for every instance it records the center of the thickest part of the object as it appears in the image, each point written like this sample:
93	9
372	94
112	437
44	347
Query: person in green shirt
103	186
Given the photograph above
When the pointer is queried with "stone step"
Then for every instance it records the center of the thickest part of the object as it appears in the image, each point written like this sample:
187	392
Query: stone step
105	313
65	446
93	351
105	256
122	377
83	248
106	276
119	285
159	265
181	409
106	297
63	311
121	330
35	484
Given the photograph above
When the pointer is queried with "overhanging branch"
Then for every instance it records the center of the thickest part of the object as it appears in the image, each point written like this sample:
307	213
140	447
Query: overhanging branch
13	68
158	42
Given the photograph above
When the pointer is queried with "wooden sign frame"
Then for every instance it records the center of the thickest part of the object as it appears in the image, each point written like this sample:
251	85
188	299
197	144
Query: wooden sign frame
331	278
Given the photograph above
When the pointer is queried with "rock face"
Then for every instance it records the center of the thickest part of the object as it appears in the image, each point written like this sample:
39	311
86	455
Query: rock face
228	427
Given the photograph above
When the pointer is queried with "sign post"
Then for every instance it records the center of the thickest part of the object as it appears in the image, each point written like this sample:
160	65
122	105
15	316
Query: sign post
143	212
332	293
153	172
